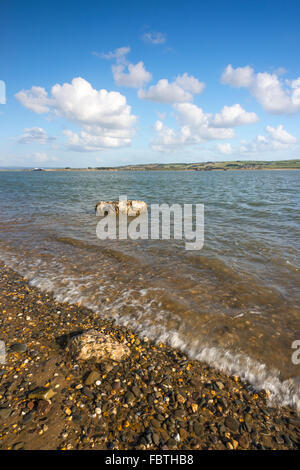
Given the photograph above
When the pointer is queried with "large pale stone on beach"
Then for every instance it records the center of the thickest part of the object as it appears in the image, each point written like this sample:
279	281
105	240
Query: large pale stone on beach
131	208
98	346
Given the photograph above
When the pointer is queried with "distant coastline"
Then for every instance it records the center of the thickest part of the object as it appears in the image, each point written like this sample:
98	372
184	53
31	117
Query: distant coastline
201	166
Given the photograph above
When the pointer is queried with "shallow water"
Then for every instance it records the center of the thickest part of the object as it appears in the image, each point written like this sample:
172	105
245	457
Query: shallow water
235	303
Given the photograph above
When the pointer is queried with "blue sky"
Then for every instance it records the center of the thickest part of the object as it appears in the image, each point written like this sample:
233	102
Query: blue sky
97	84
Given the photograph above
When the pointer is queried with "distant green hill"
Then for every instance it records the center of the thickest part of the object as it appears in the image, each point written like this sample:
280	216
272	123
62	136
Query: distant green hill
208	166
201	166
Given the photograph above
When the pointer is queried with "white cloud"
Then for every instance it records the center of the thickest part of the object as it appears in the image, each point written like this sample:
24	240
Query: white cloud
137	75
232	116
276	96
165	92
280	135
93	139
239	77
179	91
98	112
35	135
168	139
190	83
43	157
154	37
276	139
118	54
35	99
125	73
225	149
80	102
195	127
192	115
200	123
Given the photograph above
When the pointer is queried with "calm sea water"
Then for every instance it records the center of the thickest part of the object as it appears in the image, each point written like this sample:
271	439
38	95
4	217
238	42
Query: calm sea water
234	304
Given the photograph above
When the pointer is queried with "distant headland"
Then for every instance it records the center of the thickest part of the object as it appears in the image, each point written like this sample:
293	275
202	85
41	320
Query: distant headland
201	166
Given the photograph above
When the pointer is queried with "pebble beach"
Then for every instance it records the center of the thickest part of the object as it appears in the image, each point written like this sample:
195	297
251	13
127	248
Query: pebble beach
156	399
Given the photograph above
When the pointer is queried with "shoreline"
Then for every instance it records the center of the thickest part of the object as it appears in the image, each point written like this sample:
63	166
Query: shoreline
157	398
138	169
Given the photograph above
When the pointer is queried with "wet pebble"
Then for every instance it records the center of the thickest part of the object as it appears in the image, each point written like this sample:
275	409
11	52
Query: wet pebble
92	377
18	347
232	424
43	407
5	413
18	446
129	398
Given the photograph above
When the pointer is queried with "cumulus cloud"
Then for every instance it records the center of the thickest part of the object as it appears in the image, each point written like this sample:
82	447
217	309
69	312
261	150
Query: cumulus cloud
35	99
154	37
276	96
99	112
190	83
125	73
280	135
78	101
239	77
165	92
232	116
275	139
93	138
35	135
179	91
201	123
168	139
136	77
195	127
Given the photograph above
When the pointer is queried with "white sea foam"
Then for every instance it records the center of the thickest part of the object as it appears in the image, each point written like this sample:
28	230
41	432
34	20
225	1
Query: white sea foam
155	324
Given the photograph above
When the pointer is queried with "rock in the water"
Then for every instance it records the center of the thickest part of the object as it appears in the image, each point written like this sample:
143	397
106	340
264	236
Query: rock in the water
130	208
95	345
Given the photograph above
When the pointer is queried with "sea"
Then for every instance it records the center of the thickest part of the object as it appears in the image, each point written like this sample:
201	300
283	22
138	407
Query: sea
234	303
